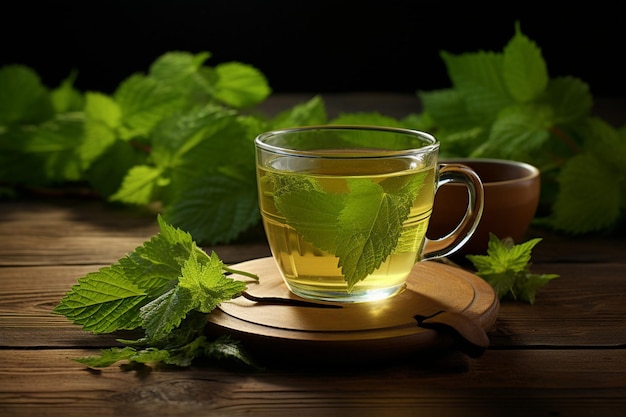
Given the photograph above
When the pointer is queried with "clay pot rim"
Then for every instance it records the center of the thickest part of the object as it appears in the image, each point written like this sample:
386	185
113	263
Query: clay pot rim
532	171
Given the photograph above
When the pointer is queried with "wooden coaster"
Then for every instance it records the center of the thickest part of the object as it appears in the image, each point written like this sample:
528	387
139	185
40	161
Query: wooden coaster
356	331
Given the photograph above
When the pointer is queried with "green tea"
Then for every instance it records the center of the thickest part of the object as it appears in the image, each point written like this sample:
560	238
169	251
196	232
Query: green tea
307	208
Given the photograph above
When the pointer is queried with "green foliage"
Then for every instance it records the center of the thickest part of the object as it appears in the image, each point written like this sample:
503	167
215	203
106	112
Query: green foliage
506	267
165	288
179	138
176	136
504	105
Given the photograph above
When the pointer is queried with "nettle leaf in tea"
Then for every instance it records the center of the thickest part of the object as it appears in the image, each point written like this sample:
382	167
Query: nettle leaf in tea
360	226
309	209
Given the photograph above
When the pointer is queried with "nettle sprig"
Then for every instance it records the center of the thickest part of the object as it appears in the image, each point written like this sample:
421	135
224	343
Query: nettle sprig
164	289
506	267
505	105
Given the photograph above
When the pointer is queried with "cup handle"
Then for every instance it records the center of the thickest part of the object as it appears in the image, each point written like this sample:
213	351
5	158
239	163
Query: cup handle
453	241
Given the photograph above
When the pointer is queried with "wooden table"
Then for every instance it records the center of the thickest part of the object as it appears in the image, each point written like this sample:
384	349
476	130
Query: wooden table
563	356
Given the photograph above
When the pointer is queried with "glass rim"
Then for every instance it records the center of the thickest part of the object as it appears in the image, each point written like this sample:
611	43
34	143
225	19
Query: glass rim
431	142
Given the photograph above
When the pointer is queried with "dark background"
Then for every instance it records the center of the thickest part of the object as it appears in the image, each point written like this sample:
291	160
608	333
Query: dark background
309	46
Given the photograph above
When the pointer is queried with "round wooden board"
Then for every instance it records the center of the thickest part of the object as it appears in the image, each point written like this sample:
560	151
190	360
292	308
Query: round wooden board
356	331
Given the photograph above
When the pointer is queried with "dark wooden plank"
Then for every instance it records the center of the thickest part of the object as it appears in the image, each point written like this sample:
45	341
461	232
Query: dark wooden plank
584	306
80	232
592	248
63	232
525	383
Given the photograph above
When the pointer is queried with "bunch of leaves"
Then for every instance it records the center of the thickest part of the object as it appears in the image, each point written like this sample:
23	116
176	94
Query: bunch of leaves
506	267
178	139
505	105
165	289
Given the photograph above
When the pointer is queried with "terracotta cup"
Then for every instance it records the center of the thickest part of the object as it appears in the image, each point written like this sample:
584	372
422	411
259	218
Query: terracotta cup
511	198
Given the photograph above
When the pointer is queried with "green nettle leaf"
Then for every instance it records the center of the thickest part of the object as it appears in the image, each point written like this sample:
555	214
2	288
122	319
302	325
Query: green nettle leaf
240	85
144	102
58	144
506	269
181	355
312	112
184	355
607	144
22	96
104	301
99	138
478	77
311	211
160	259
151	355
368	229
106	174
225	347
172	237
155	266
313	214
419	121
361	227
524	70
371	223
108	357
138	186
102	108
214	207
570	98
526	288
504	256
207	284
195	140
102	117
166	312
518	130
589	197
66	98
448	108
174	67
501	282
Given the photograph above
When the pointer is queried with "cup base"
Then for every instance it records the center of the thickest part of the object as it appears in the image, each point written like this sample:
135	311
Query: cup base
362	296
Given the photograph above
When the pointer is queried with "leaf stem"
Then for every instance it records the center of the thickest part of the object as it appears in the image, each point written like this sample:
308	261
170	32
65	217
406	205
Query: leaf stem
239	272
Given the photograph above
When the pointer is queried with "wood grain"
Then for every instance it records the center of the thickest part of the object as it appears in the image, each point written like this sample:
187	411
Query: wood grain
553	382
86	232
